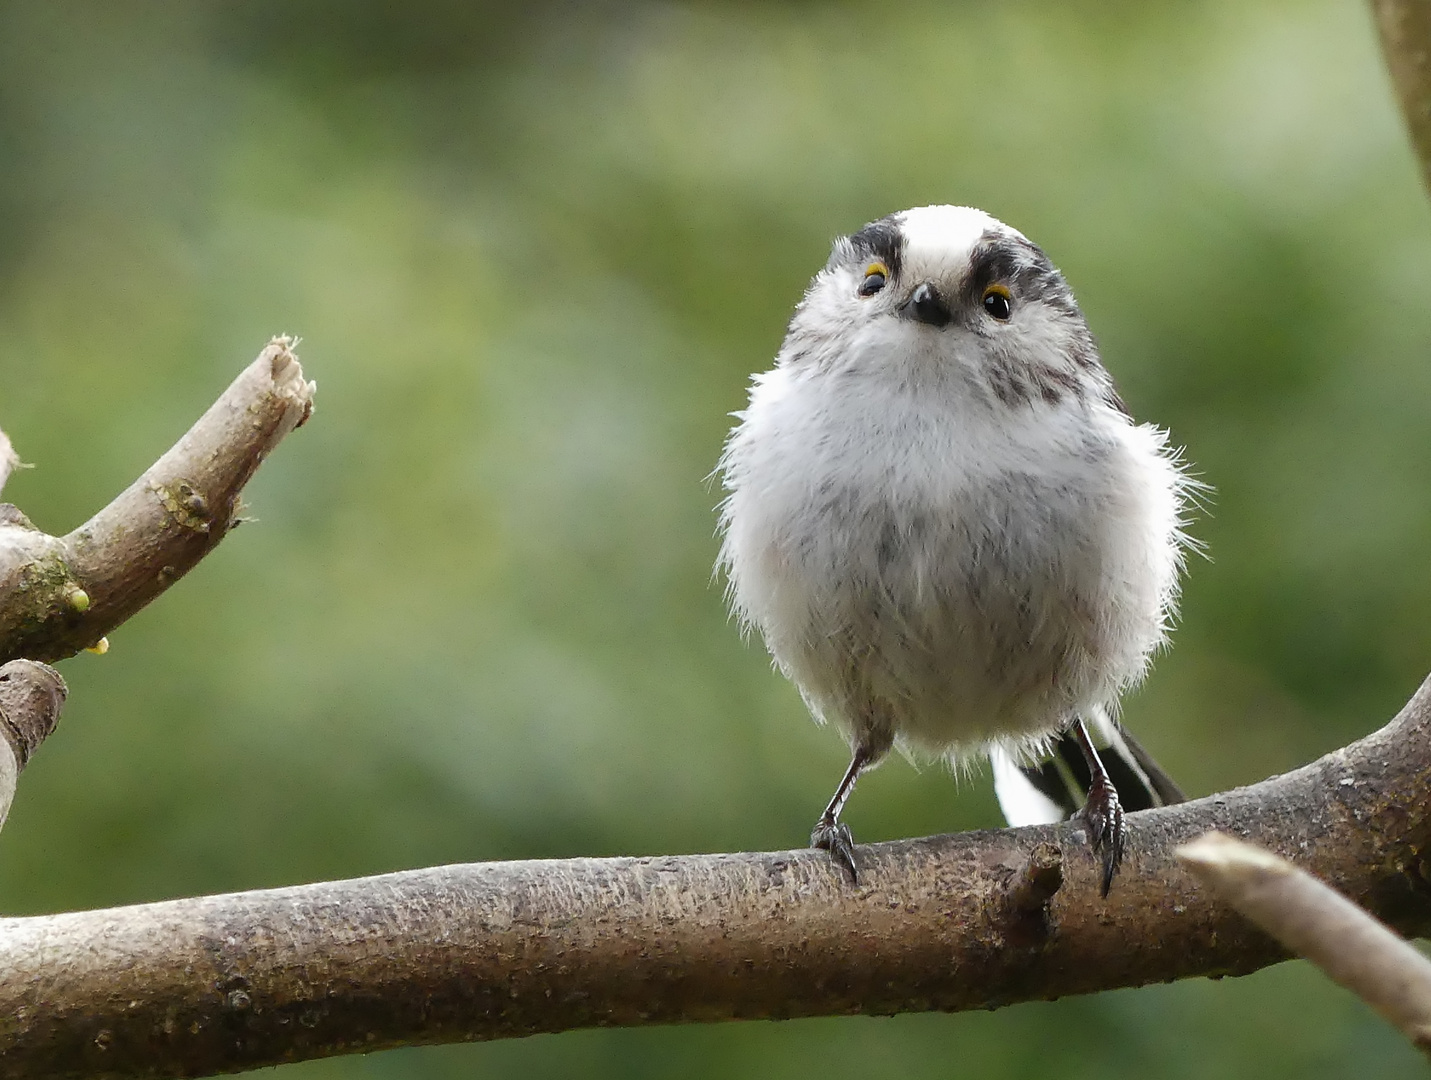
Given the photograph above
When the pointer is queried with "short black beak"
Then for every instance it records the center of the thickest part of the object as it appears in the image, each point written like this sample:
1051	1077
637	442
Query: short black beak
927	306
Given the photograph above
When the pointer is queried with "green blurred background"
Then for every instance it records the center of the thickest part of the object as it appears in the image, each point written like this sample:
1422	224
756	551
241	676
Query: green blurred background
534	252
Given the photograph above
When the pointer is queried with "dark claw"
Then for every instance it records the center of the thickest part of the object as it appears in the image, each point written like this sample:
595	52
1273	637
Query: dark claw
1103	818
836	838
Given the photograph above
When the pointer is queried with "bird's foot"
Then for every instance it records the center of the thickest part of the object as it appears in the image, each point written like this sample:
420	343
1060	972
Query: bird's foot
1102	816
836	838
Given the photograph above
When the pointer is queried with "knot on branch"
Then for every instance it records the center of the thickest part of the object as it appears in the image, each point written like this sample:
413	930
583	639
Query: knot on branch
185	503
1033	885
1028	890
38	587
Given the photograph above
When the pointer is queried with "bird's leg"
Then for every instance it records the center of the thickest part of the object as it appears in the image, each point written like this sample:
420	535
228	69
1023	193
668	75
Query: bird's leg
1102	814
832	834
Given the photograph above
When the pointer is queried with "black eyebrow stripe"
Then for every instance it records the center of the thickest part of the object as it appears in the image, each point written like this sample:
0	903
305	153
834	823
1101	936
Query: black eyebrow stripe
1021	264
881	240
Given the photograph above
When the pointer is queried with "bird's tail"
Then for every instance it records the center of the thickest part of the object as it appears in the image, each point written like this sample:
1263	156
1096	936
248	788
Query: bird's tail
1054	789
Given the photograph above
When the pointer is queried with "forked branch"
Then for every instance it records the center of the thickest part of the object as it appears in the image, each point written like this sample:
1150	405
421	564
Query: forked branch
61	594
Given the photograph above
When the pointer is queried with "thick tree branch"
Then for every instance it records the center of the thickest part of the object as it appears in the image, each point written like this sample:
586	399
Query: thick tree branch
1314	920
31	697
194	987
59	595
1405	27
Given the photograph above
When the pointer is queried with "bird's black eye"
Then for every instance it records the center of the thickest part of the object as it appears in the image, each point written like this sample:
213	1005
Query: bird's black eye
998	302
876	274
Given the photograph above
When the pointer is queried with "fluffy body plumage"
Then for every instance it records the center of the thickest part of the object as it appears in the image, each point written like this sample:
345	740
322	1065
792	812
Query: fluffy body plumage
944	524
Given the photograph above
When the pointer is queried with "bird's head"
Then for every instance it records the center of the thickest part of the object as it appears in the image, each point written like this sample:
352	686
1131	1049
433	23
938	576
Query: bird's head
949	288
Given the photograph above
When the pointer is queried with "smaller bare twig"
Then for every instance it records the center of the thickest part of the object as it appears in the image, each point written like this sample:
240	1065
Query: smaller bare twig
1314	920
61	594
31	697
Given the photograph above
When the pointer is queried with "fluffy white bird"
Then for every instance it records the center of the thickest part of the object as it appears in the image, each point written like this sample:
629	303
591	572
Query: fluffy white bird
946	526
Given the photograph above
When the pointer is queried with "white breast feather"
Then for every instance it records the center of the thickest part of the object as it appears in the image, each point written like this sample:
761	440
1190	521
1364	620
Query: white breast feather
962	575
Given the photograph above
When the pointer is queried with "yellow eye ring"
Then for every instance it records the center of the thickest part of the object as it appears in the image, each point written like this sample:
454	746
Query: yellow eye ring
876	275
999	302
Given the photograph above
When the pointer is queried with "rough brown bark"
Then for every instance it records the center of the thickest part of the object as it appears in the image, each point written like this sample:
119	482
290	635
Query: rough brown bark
59	595
977	920
1314	920
1405	27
